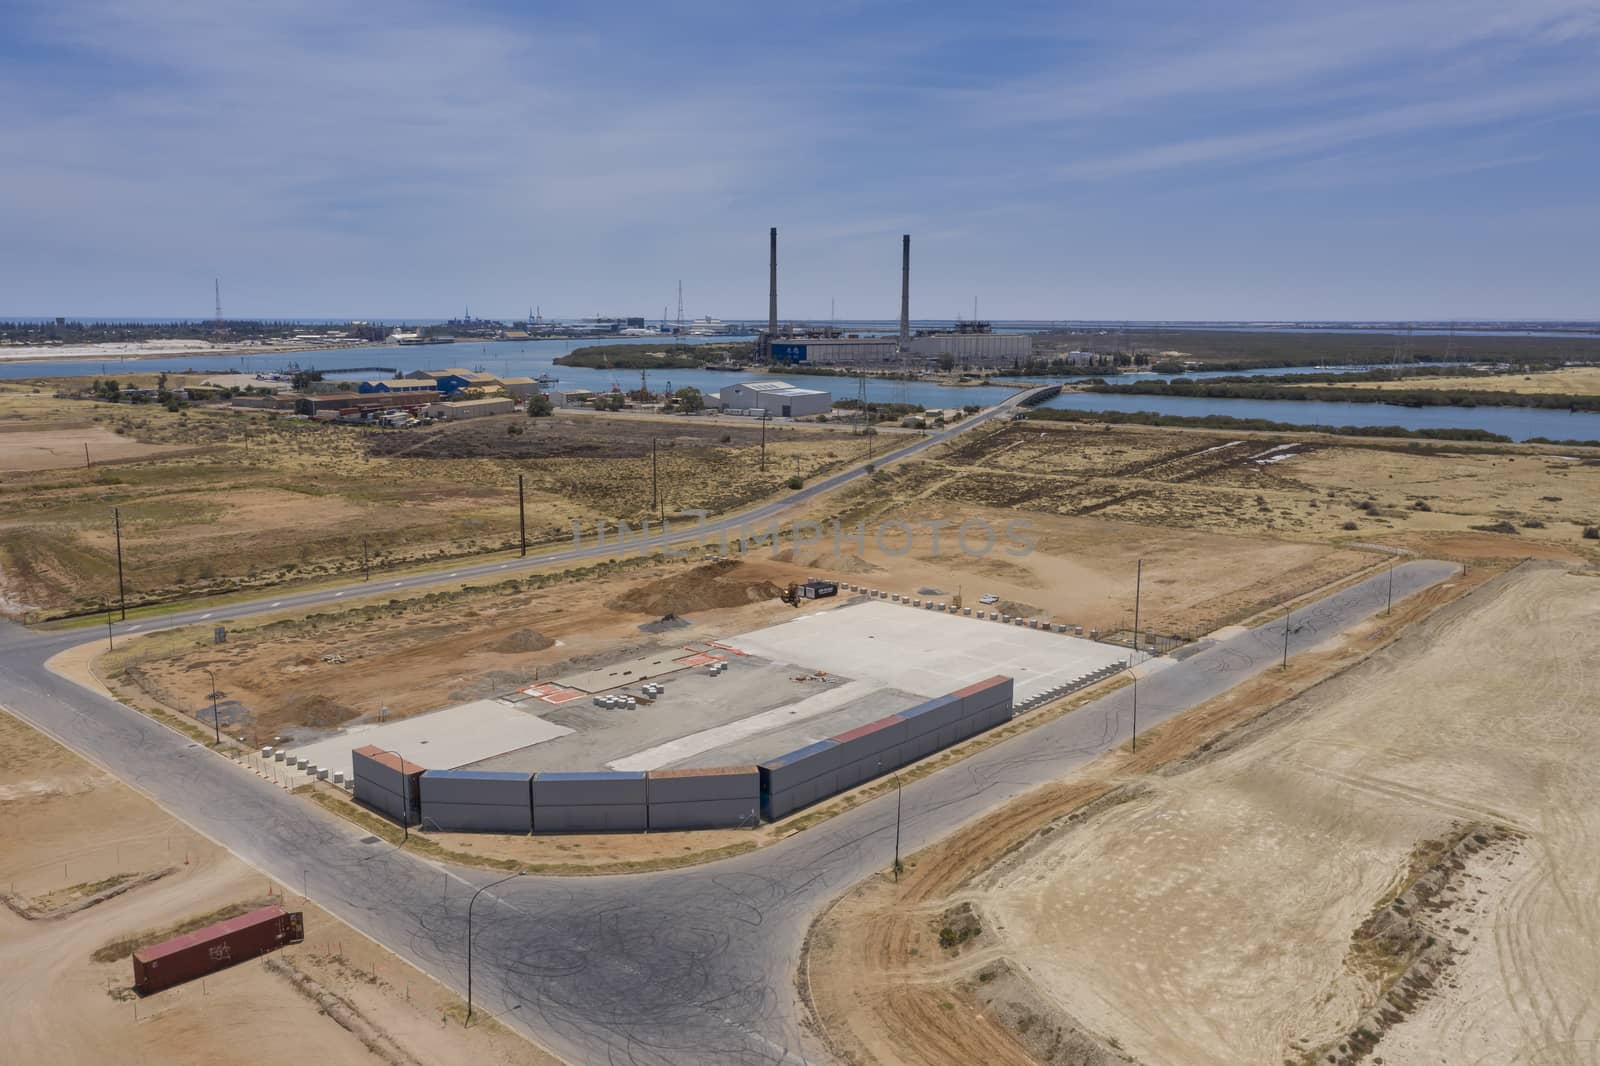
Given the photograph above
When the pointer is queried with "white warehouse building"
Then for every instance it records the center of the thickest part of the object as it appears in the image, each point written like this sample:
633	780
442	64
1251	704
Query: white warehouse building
778	398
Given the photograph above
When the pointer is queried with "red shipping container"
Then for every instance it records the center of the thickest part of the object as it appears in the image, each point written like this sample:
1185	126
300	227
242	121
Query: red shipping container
215	947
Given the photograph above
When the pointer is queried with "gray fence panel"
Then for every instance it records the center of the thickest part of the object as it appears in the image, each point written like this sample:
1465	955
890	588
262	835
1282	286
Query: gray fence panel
776	805
590	818
705	814
575	790
744	784
930	716
891	734
789	770
477	817
467	786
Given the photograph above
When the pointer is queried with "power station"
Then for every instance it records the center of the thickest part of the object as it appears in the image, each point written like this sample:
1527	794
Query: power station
971	344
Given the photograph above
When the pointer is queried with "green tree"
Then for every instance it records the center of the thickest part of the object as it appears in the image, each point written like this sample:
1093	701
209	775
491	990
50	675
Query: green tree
690	399
947	362
539	405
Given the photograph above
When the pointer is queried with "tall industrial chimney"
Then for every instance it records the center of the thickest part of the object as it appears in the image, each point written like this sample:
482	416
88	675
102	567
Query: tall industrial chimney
905	290
772	291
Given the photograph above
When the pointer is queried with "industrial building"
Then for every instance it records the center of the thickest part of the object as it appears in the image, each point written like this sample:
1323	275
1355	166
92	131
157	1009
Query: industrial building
868	352
455	379
454	410
973	348
521	388
570	397
778	399
398	385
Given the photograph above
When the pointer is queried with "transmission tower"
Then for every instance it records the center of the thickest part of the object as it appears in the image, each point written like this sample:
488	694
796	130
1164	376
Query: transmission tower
216	289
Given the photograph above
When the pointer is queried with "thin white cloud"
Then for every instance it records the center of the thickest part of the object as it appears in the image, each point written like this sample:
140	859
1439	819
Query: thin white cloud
1324	135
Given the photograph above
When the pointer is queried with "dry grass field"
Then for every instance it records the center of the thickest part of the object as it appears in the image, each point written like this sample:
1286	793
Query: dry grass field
212	501
1393	866
1570	381
1302	488
90	868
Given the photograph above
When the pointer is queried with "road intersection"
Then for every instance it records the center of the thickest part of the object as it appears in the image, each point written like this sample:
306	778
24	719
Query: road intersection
688	966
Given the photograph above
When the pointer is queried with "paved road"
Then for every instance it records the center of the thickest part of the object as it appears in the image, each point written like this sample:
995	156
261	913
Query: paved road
683	967
711	530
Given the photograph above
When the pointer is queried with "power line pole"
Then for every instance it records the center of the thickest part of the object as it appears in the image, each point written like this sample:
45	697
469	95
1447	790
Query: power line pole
764	414
522	517
366	562
655	496
1138	583
1136	713
216	721
122	590
1390	606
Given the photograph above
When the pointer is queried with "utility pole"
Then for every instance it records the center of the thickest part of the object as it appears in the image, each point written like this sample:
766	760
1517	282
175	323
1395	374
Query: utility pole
216	721
522	517
366	562
86	455
1390	606
764	414
122	591
109	645
1138	583
1135	713
470	902
897	795
1287	629
655	496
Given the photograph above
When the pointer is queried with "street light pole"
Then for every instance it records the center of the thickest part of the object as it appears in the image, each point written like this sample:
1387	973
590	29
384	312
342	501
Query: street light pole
1287	629
1390	606
216	722
405	799
470	902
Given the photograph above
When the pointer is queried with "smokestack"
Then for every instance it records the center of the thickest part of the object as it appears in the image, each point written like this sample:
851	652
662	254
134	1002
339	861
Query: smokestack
772	291
905	289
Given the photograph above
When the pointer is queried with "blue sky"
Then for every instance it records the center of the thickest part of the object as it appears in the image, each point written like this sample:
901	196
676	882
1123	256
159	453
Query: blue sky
1052	160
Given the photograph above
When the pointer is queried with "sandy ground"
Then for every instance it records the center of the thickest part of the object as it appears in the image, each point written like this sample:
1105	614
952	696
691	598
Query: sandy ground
222	500
1083	572
1207	915
1572	380
47	447
68	824
1302	488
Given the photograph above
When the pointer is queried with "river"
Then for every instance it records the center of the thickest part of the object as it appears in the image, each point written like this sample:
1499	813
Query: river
1517	423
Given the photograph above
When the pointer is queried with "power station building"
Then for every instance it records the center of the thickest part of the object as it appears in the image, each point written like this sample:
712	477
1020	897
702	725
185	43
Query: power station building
974	349
967	349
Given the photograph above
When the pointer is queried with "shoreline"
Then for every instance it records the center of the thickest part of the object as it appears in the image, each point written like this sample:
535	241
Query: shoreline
36	356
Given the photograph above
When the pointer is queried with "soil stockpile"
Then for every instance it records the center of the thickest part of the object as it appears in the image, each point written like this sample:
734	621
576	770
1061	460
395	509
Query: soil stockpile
704	588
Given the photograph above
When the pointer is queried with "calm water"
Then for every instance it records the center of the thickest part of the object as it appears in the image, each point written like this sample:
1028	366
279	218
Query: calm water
524	358
1518	423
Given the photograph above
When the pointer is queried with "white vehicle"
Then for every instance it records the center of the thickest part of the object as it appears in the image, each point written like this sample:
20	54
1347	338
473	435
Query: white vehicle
988	598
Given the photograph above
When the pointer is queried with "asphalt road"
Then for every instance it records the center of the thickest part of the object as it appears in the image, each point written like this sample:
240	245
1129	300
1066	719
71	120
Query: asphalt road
684	534
682	967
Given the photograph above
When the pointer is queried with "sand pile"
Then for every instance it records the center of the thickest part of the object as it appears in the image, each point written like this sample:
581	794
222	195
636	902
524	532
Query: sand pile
523	640
719	584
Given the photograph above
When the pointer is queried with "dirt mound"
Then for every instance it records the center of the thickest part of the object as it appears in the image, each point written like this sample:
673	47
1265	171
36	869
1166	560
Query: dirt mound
314	710
704	588
523	640
833	562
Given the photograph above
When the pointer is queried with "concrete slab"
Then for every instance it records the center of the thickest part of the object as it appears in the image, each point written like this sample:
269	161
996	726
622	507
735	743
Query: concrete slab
684	748
442	740
926	653
629	671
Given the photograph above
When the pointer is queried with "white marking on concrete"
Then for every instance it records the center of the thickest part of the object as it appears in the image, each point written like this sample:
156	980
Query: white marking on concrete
278	603
707	739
